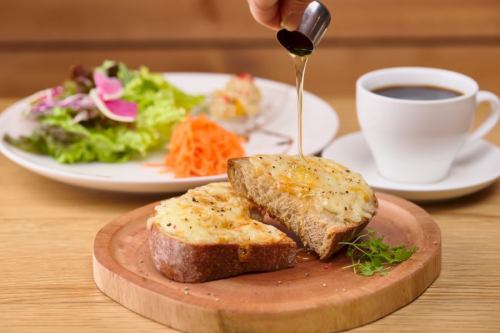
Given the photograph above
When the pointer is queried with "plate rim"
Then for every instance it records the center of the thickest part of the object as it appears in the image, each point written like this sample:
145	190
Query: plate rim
9	151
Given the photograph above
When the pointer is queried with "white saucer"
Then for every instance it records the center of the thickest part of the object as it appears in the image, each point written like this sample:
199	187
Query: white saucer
476	166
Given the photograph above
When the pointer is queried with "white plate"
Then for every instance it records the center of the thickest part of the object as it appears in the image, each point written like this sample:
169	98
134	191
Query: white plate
477	165
279	115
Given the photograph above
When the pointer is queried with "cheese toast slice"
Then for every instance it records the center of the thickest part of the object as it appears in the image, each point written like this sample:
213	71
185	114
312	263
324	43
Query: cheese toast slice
321	201
208	234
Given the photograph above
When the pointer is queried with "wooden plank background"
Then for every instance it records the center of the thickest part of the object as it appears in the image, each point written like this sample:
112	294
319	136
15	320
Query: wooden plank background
40	39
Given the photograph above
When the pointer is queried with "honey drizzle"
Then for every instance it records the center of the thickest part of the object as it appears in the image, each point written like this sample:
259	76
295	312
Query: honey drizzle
300	62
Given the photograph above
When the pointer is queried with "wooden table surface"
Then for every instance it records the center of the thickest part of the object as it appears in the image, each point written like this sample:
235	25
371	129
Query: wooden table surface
47	231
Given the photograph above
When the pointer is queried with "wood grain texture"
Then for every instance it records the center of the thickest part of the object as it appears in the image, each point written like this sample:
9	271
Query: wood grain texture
331	71
229	21
47	231
314	296
39	40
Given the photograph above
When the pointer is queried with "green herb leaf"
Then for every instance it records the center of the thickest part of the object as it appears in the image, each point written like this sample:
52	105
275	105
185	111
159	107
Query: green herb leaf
370	255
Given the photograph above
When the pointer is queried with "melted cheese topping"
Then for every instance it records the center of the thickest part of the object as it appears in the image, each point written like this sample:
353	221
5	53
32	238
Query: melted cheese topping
210	214
328	186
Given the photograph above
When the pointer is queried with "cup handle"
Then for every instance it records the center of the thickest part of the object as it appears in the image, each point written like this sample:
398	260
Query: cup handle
494	116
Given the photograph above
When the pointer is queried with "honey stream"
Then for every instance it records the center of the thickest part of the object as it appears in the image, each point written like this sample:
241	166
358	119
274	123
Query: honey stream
300	63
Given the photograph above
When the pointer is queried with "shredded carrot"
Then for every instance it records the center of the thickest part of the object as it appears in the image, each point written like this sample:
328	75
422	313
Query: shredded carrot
200	147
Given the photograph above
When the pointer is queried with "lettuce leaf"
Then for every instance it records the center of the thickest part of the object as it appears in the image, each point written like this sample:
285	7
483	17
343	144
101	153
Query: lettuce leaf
69	142
146	88
161	106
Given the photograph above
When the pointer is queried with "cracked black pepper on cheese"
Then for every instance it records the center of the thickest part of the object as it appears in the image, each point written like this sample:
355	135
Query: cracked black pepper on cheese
323	202
210	214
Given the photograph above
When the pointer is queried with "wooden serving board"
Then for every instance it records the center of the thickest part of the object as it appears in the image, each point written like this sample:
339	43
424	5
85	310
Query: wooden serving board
314	296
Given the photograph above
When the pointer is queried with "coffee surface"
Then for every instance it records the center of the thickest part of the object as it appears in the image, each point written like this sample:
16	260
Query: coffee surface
418	93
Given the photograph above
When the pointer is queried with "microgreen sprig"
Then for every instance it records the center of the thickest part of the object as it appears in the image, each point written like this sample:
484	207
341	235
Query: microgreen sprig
370	255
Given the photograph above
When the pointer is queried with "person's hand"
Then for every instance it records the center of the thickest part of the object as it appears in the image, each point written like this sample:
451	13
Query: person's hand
266	12
278	13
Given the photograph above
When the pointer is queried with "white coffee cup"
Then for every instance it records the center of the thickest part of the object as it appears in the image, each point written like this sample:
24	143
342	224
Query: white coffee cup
416	141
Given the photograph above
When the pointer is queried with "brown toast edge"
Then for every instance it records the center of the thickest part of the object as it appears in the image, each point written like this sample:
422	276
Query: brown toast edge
348	234
345	235
184	262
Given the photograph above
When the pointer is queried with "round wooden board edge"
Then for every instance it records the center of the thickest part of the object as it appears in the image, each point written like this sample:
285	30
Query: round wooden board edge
193	318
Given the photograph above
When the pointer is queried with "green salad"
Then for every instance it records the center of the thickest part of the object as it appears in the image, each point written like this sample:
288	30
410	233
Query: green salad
110	114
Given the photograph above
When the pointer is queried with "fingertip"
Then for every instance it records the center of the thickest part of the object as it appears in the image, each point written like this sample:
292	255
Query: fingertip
268	16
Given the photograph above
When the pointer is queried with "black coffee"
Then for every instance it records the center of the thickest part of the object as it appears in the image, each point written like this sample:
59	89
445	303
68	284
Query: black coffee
418	93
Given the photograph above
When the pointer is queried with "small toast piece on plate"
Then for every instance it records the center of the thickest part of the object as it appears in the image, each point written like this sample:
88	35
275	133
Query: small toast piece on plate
208	234
321	201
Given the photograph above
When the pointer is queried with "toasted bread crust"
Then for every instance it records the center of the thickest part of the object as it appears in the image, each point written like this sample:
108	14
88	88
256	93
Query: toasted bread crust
323	240
343	235
185	262
340	235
